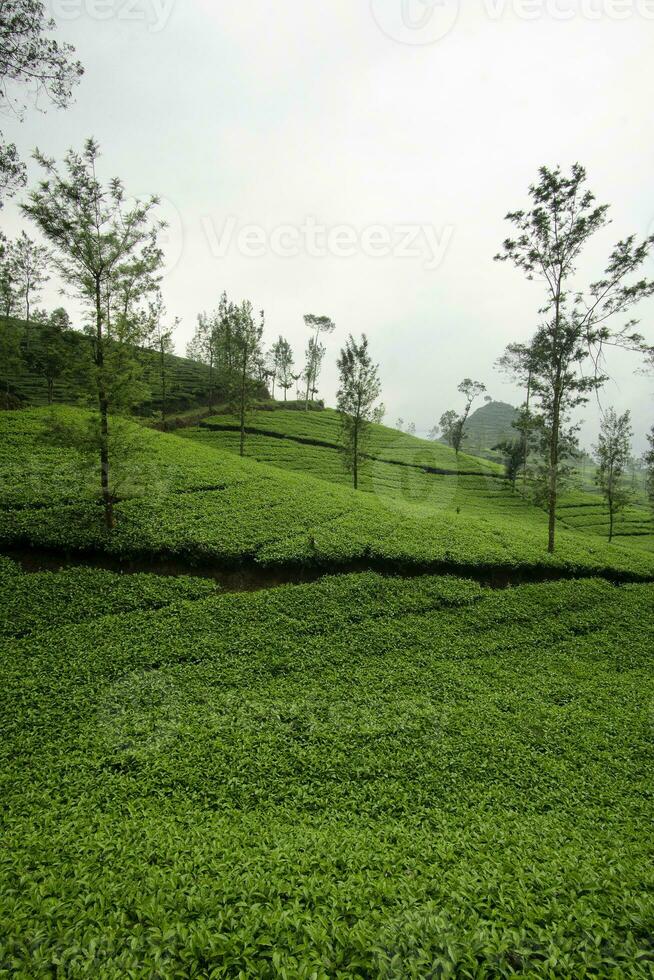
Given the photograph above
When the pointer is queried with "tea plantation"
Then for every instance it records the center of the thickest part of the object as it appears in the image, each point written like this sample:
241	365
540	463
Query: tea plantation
422	471
363	777
188	500
397	772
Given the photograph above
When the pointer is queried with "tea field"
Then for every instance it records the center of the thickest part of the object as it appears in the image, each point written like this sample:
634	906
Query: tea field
411	469
393	771
362	777
188	500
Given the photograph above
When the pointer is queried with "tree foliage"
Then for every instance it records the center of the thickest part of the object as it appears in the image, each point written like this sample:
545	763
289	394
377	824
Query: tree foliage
612	451
34	66
578	323
356	401
452	423
107	251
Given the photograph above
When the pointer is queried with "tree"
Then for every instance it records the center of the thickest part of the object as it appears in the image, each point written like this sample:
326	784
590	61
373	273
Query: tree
648	460
34	64
513	452
161	341
202	348
29	264
453	424
315	355
434	433
449	423
10	356
51	356
246	339
411	428
8	297
551	236
612	453
399	424
516	362
282	355
359	390
97	236
315	351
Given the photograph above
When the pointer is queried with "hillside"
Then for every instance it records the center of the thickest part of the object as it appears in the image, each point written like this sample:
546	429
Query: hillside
412	471
362	777
187	379
185	499
393	770
488	425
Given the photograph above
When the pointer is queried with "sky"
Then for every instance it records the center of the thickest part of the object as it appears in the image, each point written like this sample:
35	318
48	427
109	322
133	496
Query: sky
356	158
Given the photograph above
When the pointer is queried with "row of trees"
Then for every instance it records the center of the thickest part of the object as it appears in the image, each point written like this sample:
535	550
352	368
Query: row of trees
222	336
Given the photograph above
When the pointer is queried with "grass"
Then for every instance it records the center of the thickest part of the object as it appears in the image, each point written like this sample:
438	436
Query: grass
363	777
182	498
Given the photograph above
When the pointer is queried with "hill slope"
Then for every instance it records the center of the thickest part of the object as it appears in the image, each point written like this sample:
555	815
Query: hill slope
411	470
185	499
490	424
187	380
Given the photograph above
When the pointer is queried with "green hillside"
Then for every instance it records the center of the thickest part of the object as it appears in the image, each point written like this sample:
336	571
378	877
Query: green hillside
187	379
183	498
395	772
413	471
488	425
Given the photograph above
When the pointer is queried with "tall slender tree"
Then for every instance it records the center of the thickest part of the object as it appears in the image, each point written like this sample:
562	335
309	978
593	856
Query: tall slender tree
356	401
516	362
612	453
550	238
29	264
162	343
648	460
453	423
315	355
96	234
247	332
319	326
282	355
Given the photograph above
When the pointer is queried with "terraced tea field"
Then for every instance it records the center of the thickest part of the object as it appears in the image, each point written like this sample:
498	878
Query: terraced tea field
423	472
184	499
396	773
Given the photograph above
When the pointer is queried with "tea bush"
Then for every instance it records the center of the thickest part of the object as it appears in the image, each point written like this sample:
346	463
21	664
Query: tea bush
362	777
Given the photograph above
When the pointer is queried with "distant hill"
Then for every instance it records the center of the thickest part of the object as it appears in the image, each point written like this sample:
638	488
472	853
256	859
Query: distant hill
488	425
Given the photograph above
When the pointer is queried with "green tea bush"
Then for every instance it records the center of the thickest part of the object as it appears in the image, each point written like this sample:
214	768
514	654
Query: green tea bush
362	777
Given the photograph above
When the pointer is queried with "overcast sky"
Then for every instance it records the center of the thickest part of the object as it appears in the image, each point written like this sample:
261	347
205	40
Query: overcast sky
374	146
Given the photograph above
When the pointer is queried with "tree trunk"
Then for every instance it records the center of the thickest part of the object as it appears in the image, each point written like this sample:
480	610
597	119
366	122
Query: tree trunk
163	388
50	390
553	474
355	461
104	418
525	438
610	524
242	420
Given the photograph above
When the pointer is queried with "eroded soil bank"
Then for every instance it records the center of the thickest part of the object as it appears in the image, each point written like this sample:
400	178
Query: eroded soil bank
248	575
